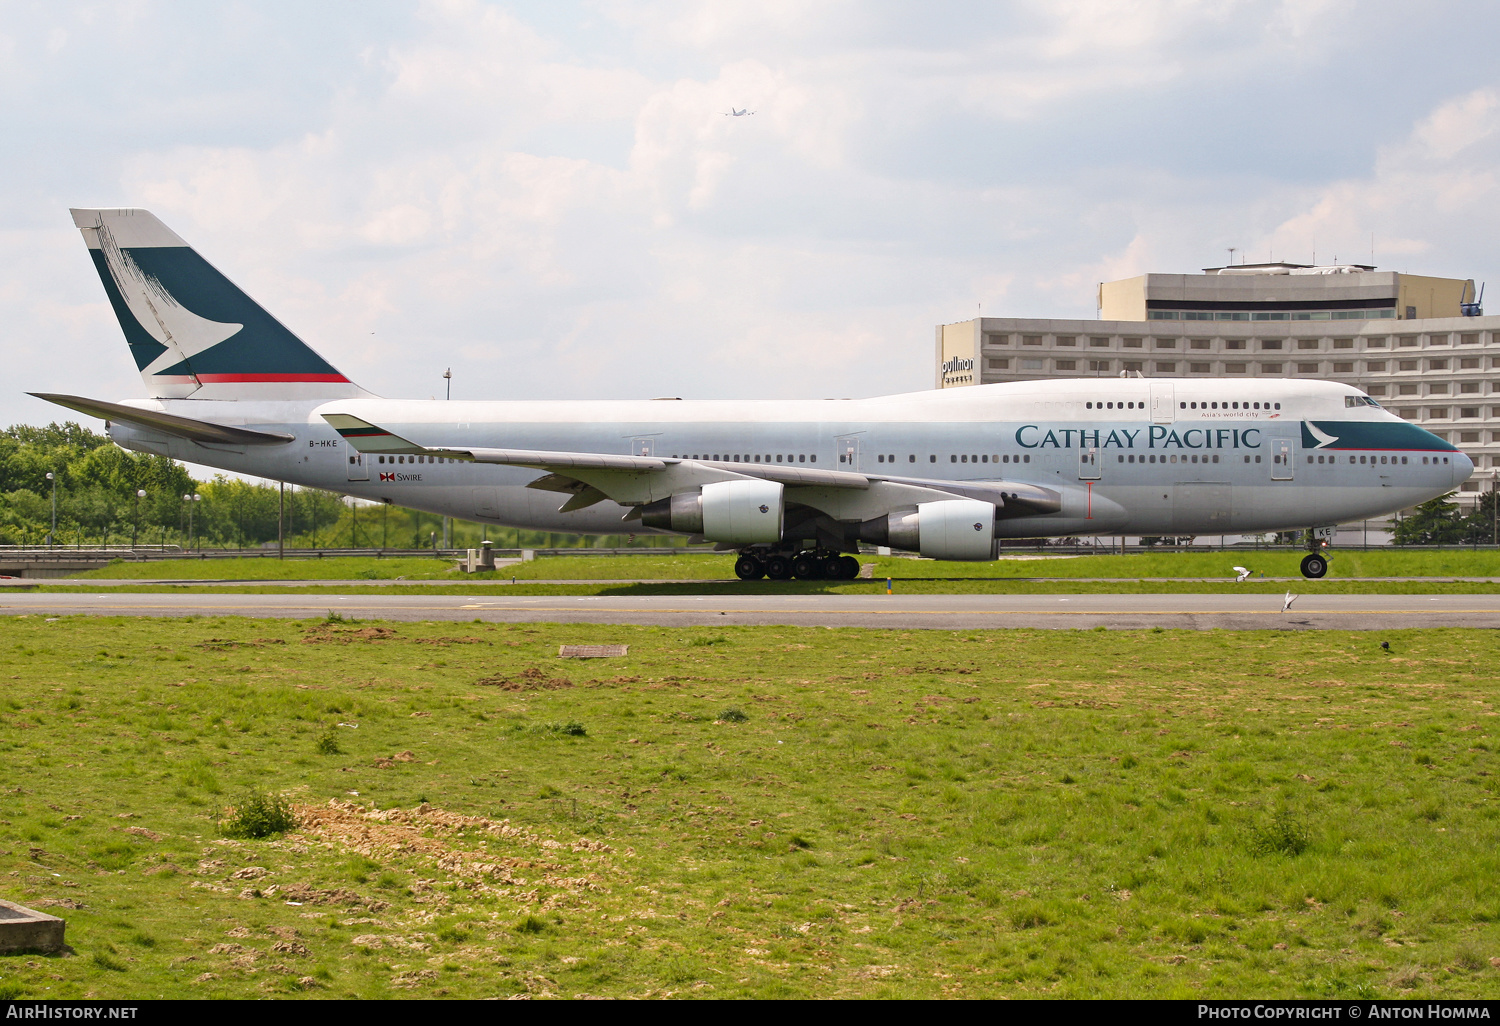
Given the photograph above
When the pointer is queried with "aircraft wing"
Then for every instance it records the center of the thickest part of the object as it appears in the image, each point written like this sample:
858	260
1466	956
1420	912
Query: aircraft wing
635	480
167	423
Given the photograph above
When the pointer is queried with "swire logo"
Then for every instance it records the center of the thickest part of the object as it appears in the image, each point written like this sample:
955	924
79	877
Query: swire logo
387	477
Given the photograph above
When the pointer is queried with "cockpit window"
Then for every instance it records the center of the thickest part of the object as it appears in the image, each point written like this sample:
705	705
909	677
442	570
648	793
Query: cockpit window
1351	401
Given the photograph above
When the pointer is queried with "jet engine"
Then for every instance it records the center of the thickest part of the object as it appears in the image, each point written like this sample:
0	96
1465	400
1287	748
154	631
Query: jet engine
947	529
735	512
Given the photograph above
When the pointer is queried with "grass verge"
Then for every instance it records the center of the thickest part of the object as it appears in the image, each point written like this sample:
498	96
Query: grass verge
749	811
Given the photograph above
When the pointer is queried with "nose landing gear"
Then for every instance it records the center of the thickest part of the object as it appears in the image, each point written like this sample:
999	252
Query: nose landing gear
1315	563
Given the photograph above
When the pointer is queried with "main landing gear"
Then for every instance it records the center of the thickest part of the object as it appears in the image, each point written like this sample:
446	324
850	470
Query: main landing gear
811	565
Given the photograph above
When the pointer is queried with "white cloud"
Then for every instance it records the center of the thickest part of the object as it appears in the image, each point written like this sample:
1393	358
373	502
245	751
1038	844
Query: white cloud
551	201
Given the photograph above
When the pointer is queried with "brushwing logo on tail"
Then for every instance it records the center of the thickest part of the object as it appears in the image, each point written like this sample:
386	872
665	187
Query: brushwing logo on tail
183	333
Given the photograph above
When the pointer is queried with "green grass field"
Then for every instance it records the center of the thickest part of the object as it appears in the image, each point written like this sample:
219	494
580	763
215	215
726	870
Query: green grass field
334	568
751	812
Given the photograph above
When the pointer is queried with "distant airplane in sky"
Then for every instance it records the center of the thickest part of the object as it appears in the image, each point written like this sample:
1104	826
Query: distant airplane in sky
732	113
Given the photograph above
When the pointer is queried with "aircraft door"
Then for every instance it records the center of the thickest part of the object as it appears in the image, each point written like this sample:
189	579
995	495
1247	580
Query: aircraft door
1281	459
643	446
848	450
358	471
1163	402
1090	464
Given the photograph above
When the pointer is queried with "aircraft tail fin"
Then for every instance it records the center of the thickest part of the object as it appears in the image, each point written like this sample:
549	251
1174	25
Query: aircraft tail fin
192	331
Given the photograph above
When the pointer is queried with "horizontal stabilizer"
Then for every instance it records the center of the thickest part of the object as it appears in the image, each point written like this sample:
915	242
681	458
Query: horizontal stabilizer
167	423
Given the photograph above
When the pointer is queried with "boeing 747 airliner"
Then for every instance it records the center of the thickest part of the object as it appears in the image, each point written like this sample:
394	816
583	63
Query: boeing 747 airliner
789	485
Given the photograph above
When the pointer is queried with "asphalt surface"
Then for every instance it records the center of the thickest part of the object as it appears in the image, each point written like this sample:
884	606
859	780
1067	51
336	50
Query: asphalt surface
944	612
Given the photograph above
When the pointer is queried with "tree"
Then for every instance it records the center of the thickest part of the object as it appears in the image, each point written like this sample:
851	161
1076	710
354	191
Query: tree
1435	522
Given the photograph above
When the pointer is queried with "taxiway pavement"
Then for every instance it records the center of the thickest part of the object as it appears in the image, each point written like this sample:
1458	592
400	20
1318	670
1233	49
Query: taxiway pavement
942	612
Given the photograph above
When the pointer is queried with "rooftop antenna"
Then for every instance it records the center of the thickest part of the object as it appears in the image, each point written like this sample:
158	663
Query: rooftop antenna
1231	256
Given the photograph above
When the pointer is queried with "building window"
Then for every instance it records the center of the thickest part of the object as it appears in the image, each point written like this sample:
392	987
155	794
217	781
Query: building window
1234	368
1067	365
1000	363
1098	343
1437	364
1198	368
1270	368
1307	343
1134	366
1440	388
1099	365
1437	413
1166	367
1471	339
1437	340
997	340
1307	368
1198	343
1469	388
1343	343
1376	341
1406	365
1270	343
1409	389
1377	390
1031	340
1234	343
1374	365
1343	368
1469	413
1132	343
1406	340
1067	340
1408	413
1031	364
1495	435
1164	343
1470	436
1469	363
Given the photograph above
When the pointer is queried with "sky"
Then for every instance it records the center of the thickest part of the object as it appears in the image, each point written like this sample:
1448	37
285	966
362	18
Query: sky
549	199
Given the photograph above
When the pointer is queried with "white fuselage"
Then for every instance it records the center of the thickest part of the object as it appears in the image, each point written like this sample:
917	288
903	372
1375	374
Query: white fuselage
1128	455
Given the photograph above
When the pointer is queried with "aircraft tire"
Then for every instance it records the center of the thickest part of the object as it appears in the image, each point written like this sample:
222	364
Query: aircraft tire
779	568
848	568
1314	565
807	567
748	568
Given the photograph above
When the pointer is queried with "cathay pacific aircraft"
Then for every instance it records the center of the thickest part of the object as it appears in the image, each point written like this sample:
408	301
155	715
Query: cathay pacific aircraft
791	486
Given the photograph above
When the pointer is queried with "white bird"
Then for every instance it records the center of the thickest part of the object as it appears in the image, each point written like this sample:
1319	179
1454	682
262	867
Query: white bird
1287	602
1243	573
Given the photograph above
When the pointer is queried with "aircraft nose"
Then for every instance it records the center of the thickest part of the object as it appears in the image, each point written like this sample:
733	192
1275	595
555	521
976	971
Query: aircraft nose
1462	468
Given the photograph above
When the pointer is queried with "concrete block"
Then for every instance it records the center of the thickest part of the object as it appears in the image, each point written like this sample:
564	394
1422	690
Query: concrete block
25	929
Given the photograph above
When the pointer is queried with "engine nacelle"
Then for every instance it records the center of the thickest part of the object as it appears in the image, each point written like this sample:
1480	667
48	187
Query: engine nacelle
735	512
946	529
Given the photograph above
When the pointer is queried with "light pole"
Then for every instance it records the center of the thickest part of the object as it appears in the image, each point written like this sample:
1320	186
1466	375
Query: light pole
191	500
52	538
448	378
135	527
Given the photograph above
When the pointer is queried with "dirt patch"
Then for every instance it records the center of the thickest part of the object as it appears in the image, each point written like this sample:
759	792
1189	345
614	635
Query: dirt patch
310	895
329	634
434	836
453	641
532	679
